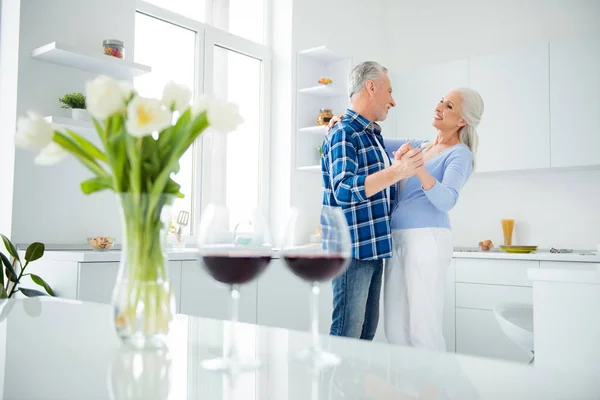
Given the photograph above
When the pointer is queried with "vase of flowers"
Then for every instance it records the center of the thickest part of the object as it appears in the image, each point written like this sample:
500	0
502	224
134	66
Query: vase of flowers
141	144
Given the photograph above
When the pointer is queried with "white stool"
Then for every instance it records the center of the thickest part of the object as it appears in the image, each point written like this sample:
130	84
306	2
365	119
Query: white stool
516	321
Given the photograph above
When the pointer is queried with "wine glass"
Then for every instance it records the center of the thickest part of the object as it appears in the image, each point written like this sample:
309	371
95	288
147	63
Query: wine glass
234	249
315	262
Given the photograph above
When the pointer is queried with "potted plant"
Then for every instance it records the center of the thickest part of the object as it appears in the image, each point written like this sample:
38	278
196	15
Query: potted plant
11	272
76	102
140	148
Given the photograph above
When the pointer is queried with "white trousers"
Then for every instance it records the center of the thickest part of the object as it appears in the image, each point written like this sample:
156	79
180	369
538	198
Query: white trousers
414	283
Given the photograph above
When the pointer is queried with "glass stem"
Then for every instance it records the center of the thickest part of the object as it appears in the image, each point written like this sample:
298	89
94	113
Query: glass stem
314	315
235	304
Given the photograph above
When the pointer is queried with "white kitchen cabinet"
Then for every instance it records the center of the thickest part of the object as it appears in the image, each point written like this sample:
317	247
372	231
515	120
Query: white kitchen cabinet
202	296
478	333
97	281
417	93
514	131
494	272
449	327
574	102
489	297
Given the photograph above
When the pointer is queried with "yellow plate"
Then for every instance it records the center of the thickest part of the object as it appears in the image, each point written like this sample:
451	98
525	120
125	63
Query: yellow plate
519	249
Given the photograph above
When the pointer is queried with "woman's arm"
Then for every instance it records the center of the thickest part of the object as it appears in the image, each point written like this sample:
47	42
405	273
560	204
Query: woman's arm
444	195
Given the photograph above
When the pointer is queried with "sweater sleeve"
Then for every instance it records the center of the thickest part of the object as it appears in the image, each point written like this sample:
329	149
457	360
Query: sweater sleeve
459	166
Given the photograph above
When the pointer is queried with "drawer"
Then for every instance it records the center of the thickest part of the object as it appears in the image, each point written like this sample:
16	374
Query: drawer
584	266
494	272
488	297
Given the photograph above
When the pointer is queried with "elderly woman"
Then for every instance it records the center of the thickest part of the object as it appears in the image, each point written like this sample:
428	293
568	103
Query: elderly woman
421	233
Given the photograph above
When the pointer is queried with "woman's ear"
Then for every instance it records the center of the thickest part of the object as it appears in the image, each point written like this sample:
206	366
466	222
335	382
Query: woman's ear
461	123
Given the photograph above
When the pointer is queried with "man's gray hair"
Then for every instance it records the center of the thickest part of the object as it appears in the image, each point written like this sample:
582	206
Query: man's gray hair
363	72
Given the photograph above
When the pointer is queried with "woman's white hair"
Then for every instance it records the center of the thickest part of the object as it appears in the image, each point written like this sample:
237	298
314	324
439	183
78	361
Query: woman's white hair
363	72
472	110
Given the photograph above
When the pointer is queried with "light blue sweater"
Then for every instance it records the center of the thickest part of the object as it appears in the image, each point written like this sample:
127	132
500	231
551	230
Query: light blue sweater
417	208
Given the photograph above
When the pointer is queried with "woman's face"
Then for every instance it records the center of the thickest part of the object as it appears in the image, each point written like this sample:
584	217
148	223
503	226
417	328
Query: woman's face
447	113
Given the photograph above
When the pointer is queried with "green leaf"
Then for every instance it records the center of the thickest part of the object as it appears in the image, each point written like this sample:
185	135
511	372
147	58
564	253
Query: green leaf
34	251
173	187
31	292
87	146
72	147
39	281
10	272
96	184
10	248
3	294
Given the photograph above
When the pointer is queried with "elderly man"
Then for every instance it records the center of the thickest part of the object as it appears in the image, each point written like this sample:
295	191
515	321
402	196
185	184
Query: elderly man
359	177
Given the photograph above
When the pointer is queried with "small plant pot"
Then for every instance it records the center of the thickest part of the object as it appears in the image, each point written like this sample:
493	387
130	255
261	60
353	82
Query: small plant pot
80	114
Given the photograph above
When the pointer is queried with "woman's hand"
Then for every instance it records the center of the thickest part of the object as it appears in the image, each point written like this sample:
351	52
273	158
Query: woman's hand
334	121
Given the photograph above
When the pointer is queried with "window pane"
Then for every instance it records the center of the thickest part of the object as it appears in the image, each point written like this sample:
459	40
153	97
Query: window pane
246	19
179	66
238	79
195	9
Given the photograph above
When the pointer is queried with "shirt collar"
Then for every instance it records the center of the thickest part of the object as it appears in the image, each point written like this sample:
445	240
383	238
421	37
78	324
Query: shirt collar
359	122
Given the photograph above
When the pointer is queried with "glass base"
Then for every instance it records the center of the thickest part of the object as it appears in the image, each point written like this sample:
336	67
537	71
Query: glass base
318	358
139	341
229	365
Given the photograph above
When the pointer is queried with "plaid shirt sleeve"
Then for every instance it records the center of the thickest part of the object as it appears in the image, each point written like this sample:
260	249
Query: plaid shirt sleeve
348	187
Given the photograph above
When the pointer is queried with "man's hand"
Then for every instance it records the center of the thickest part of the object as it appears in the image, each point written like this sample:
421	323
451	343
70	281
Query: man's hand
407	161
402	150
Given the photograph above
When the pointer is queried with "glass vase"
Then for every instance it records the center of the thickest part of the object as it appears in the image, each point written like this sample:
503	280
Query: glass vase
143	300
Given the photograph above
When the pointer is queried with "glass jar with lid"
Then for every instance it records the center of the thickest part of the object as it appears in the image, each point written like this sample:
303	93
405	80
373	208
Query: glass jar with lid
324	116
114	48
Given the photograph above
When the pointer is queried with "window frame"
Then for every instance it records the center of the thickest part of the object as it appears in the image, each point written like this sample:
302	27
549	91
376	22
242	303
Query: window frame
207	37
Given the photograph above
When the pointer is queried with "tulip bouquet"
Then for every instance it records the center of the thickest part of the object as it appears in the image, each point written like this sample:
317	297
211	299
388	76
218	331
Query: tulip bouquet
141	144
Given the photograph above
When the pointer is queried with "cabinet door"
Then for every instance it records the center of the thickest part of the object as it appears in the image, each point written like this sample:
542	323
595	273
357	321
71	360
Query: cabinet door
514	133
97	281
417	92
478	333
278	286
202	296
574	102
449	327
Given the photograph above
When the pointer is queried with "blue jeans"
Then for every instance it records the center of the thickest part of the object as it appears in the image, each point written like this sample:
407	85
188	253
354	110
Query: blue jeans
356	300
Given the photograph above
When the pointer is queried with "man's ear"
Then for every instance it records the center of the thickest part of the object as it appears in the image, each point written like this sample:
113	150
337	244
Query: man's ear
370	85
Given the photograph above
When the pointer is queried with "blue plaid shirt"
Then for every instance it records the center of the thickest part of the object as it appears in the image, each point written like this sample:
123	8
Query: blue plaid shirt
350	153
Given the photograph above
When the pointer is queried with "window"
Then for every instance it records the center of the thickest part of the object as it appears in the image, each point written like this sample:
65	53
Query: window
244	18
224	169
152	34
237	78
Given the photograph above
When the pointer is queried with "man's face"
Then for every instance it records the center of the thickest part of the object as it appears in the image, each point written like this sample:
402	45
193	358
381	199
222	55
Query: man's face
381	96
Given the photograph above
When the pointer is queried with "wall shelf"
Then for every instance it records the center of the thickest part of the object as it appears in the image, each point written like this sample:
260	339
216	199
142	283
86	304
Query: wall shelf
322	54
72	124
315	130
61	54
323	91
310	168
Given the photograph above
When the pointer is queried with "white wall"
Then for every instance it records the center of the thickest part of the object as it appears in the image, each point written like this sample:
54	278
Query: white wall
552	208
48	203
9	64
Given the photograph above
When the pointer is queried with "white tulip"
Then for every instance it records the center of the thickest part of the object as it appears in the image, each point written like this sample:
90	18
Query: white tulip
33	133
105	97
176	97
224	117
145	116
51	154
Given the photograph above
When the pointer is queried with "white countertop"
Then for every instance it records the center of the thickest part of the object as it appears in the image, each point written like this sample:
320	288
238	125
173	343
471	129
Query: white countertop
84	254
56	349
540	255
